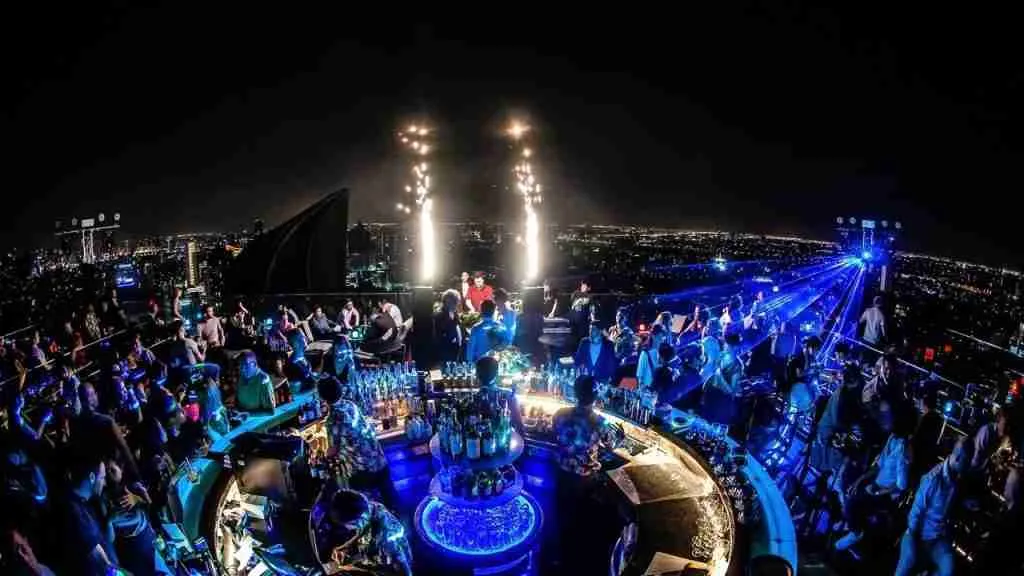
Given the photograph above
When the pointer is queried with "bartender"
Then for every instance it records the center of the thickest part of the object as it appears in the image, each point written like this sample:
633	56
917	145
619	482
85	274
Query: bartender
491	395
255	390
355	535
580	433
352	439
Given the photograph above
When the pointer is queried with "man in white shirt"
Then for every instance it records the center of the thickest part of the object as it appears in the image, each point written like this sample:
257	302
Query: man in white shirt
392	310
211	330
349	317
874	323
464	291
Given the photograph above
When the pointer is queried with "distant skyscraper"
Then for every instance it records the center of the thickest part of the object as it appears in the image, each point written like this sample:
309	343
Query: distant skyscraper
257	226
192	263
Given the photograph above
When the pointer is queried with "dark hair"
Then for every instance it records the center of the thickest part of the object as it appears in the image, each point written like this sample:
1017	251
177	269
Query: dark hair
486	370
487	308
501	294
584	388
82	462
877	301
842	348
930	398
329	390
852	374
732	339
666	352
904	419
658	329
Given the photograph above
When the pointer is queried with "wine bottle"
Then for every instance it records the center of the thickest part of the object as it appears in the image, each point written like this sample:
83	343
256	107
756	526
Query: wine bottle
456	439
486	485
488	443
472	443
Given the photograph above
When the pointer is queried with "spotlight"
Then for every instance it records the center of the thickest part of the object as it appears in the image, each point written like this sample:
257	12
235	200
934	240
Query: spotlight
775	288
866	255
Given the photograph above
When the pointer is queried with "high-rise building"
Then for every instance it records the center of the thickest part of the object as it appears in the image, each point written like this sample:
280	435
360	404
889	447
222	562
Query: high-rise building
192	263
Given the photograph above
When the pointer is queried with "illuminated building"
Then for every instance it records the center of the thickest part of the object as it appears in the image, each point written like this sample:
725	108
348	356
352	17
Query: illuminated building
192	263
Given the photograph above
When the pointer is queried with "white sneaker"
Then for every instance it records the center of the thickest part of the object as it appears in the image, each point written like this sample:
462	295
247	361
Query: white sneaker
848	541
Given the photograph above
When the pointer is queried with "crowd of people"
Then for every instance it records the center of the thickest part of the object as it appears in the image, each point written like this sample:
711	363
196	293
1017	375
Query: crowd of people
99	413
879	443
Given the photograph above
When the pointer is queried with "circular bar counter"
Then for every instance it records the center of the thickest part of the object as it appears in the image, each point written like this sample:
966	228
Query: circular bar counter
677	513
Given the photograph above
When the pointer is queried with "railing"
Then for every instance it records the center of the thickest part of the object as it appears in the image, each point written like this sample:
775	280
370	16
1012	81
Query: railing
50	362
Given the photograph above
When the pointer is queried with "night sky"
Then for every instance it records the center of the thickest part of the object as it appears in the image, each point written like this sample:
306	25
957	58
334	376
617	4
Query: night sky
751	119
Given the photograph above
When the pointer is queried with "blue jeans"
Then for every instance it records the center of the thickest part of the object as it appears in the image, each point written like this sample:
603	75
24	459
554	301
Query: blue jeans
939	552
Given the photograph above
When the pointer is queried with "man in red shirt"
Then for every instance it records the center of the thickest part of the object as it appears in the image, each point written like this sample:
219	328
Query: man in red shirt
479	292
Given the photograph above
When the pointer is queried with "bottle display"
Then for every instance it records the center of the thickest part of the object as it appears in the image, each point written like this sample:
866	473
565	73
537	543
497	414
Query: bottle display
474	428
388	394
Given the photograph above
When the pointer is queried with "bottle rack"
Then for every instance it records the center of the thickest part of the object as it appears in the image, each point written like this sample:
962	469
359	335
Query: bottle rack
515	450
437	490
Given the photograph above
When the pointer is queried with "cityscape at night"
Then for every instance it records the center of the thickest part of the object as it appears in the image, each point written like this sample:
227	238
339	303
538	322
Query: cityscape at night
285	292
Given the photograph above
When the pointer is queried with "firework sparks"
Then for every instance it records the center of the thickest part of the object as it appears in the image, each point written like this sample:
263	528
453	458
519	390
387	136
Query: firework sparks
415	139
530	190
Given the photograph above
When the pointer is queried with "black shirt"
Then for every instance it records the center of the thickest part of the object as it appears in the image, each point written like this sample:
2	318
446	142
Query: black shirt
82	532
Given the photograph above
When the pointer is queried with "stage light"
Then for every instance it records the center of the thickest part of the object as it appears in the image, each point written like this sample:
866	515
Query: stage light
867	255
775	288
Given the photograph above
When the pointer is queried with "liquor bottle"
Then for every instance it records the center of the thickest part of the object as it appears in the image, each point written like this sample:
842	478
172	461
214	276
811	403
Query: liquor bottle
505	429
499	482
458	484
488	443
474	490
456	440
472	443
486	484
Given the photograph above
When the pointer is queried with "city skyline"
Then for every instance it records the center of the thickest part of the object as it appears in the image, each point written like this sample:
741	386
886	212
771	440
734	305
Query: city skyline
759	121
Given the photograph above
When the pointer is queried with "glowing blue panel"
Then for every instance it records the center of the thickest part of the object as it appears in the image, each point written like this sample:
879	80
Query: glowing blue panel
479	531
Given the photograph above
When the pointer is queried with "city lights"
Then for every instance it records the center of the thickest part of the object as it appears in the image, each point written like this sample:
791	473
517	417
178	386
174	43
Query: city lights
530	190
414	139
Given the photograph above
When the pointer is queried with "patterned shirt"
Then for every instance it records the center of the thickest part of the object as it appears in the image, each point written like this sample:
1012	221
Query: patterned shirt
625	343
353	439
580	434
